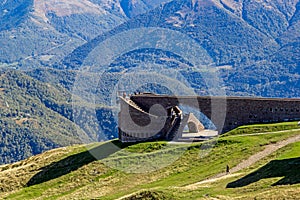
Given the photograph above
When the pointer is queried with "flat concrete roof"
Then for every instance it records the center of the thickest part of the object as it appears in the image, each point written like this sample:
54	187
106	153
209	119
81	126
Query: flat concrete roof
217	97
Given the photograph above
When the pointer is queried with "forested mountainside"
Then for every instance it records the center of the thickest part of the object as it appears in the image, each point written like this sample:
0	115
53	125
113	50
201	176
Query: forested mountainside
37	116
253	44
40	33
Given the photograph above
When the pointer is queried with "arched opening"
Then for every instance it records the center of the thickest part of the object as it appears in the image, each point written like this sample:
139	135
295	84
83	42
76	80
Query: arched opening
196	124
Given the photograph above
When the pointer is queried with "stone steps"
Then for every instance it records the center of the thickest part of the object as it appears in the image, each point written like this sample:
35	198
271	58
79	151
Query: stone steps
173	131
133	104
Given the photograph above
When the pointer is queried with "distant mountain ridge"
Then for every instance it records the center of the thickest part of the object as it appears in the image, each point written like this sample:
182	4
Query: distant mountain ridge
37	33
258	40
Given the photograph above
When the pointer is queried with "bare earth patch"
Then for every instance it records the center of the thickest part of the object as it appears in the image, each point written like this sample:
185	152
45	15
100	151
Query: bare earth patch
20	121
65	8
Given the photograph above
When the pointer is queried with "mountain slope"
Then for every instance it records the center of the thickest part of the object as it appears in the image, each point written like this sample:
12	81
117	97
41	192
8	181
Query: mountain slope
253	44
41	115
133	8
14	13
73	172
270	17
227	38
30	121
40	33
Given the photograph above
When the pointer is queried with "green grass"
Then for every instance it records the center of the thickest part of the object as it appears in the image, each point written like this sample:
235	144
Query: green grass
167	169
292	151
263	188
263	128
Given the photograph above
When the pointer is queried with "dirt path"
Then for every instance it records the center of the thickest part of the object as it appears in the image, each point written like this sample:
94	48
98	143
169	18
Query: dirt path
271	148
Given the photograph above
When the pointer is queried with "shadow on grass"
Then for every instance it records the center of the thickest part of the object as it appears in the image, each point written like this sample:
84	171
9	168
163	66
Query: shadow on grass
74	162
288	169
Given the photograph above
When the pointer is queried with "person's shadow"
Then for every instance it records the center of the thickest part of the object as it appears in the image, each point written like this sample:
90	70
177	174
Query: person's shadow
289	169
74	162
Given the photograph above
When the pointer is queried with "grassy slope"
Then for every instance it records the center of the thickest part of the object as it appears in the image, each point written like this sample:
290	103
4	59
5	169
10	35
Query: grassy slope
73	173
262	128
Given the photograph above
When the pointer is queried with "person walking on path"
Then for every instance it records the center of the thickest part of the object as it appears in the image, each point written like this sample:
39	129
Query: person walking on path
227	169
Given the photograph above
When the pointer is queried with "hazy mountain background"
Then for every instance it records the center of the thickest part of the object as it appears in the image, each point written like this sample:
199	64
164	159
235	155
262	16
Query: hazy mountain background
39	33
255	45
